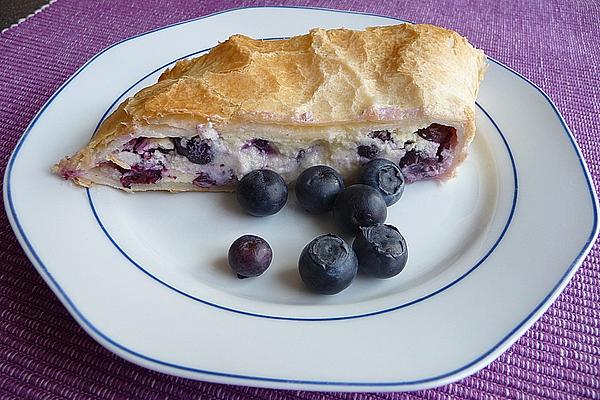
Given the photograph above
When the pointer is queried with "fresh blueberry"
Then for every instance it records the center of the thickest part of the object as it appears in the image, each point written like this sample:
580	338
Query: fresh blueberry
327	264
249	256
381	251
194	149
369	151
359	205
262	192
384	176
317	187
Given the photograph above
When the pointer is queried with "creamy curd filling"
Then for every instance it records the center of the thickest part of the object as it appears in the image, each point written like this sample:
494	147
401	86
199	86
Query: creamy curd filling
206	160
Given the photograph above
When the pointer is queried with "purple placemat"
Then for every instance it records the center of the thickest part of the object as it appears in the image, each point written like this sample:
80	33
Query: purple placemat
44	353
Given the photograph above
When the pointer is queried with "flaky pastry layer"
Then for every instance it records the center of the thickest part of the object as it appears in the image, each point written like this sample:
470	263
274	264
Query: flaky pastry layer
329	86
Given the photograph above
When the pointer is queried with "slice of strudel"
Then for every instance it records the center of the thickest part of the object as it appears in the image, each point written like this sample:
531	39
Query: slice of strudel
335	97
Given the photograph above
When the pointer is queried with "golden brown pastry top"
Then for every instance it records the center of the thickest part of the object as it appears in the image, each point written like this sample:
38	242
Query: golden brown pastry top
324	77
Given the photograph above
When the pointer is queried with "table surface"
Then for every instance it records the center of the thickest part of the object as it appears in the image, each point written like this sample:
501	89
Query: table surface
11	11
45	354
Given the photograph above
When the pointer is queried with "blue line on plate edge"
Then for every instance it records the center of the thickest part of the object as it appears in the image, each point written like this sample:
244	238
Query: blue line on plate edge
397	307
91	327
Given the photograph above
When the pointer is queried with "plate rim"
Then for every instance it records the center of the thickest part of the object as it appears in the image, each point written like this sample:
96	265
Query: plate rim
190	372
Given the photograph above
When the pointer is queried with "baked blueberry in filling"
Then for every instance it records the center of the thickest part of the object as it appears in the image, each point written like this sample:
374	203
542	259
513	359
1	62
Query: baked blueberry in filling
204	180
437	133
133	144
264	146
194	149
410	158
140	174
371	151
421	164
384	136
208	162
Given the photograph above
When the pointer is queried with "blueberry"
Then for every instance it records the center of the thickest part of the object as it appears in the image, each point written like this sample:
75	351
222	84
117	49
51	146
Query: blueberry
384	136
411	157
204	180
437	133
384	176
194	149
139	174
381	251
359	205
441	134
262	145
327	265
262	192
249	256
369	151
137	144
317	187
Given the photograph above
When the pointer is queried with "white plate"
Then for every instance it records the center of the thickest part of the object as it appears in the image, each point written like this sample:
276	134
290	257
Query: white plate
146	274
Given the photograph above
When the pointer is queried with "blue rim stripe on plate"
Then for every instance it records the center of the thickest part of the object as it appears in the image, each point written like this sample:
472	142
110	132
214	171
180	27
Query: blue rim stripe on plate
252	314
529	319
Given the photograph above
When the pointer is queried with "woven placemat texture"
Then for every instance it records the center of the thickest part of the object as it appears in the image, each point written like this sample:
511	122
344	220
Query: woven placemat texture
44	353
14	11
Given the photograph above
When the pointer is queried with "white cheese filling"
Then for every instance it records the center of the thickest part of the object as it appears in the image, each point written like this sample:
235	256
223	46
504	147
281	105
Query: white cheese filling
230	161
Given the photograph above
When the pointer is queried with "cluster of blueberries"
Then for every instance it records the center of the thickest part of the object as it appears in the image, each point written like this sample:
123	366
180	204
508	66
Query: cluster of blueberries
327	265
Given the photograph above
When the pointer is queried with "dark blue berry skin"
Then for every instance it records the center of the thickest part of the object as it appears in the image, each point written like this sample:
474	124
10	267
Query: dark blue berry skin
317	187
249	256
194	149
359	205
262	192
384	176
381	251
327	265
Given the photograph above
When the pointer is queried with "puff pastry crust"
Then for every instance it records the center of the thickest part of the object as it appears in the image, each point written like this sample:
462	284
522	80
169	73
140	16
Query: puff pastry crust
339	97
